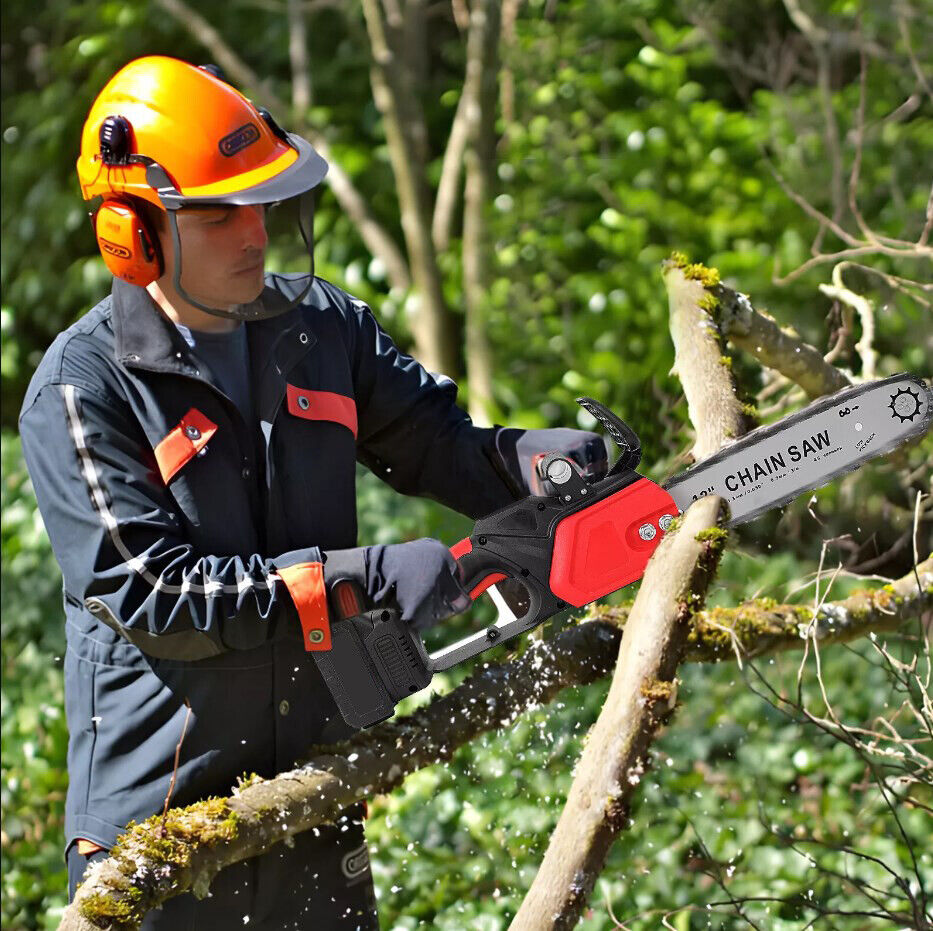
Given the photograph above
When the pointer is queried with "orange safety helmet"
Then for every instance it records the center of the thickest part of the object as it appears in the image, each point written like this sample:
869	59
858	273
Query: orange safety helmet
177	135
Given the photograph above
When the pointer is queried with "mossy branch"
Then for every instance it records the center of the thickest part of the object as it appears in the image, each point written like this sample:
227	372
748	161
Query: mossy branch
641	697
763	626
205	837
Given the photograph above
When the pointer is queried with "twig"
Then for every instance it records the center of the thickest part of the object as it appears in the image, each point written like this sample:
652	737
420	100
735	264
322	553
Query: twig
171	787
905	35
862	306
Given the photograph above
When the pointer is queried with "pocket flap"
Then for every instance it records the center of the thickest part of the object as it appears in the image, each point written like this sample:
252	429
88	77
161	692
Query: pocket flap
183	443
322	405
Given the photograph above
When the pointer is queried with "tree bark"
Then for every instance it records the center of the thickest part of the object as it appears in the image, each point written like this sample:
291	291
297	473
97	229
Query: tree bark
448	188
507	80
432	326
298	56
644	685
479	98
640	700
489	699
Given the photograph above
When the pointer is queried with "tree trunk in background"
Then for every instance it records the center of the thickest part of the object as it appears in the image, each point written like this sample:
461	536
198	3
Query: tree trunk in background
298	56
479	99
432	326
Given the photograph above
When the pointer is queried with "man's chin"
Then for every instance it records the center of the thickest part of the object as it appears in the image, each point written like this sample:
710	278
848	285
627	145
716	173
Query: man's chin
248	291
255	293
258	284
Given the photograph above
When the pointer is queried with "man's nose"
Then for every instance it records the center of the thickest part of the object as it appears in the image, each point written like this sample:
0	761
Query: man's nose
253	222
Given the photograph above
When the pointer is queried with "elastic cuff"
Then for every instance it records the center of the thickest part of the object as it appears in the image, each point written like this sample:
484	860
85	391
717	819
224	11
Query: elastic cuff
305	583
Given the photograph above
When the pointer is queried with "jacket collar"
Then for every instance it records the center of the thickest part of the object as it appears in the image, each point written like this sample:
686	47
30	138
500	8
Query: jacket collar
144	338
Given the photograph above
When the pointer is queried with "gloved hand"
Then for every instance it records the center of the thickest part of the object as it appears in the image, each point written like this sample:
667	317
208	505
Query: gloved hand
520	449
422	577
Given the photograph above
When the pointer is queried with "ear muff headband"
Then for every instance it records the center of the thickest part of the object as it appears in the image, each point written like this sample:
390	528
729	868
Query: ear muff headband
129	247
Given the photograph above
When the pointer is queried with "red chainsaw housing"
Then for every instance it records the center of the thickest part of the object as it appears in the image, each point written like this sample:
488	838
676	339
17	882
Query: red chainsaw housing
598	550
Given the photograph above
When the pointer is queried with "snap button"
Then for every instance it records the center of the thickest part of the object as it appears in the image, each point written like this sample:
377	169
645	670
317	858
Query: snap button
192	432
302	338
303	402
245	471
283	707
202	452
316	636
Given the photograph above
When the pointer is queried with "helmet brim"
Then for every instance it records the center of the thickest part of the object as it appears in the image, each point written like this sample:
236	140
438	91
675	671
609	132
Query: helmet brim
307	171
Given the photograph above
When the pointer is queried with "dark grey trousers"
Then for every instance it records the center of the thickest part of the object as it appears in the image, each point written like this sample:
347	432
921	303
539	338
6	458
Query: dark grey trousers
324	882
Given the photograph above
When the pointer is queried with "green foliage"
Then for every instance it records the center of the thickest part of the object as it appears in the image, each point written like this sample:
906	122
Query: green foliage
34	732
733	786
634	133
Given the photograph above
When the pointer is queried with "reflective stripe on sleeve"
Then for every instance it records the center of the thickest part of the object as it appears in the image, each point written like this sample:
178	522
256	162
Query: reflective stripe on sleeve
135	563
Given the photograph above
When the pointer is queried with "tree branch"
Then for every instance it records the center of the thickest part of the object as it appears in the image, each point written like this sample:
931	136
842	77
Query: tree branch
784	352
445	201
298	56
406	134
480	94
644	685
862	306
491	698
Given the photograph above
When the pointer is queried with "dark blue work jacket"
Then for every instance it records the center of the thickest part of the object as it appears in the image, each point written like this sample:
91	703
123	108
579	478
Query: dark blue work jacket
170	515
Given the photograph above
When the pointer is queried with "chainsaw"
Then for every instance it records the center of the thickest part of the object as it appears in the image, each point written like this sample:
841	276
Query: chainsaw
588	539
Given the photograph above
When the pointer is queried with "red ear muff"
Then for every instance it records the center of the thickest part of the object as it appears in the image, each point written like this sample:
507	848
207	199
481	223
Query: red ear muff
130	249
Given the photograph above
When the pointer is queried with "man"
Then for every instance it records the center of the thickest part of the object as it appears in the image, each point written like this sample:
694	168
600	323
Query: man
192	442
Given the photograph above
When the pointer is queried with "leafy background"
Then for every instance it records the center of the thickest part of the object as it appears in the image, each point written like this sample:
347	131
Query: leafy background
630	137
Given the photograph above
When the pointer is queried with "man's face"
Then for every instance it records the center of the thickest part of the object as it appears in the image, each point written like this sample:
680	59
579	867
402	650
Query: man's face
223	254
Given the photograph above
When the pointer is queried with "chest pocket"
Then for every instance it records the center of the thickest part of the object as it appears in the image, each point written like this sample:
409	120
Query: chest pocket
322	405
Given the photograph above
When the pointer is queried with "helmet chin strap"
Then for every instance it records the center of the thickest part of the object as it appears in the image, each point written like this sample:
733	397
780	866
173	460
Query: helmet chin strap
270	302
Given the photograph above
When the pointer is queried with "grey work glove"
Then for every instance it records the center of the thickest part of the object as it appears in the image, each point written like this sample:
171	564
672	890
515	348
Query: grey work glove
421	577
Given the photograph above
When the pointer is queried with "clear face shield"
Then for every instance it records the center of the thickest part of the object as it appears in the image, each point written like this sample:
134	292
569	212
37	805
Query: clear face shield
293	194
281	219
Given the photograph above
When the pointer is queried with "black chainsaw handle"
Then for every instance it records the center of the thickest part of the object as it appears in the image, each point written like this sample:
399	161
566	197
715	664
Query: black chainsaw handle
483	567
